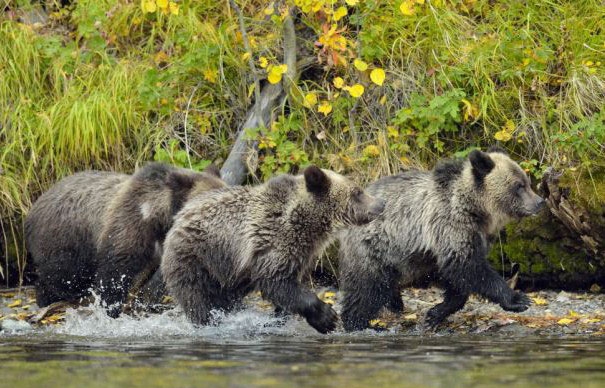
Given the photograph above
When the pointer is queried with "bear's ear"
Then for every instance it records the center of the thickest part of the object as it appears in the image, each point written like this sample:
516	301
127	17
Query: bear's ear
212	169
316	180
177	181
482	164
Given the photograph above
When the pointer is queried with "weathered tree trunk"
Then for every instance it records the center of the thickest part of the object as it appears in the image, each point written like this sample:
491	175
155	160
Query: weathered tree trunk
235	168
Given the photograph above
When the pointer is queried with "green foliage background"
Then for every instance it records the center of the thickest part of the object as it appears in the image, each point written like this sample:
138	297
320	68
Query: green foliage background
103	84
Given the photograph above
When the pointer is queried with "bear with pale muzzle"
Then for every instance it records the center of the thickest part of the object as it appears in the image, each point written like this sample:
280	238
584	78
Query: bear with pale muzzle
435	228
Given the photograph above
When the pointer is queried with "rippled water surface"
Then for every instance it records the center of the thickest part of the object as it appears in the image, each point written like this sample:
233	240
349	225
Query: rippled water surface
250	349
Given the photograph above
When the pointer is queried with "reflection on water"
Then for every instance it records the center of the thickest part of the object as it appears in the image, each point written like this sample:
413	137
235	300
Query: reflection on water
252	349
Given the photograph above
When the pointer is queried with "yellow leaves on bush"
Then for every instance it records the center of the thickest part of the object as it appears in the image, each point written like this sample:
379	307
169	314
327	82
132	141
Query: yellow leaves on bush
340	13
360	65
332	38
338	82
355	90
275	73
210	75
377	323
174	8
270	10
166	6
310	100
263	62
371	151
325	107
148	6
506	133
470	111
351	3
246	56
377	76
408	7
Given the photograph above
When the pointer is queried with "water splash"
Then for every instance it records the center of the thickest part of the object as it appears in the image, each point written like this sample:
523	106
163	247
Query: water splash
92	321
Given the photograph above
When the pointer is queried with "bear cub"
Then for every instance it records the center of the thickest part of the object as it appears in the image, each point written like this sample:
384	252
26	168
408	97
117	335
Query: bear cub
235	240
435	227
104	230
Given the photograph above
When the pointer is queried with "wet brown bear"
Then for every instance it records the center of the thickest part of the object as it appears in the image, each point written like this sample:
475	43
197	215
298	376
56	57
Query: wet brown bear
436	225
267	238
103	229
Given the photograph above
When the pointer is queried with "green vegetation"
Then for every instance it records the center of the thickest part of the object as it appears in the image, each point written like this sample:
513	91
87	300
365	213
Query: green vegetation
388	84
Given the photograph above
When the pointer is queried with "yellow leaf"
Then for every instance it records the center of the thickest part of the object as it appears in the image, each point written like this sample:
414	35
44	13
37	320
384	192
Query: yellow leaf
410	317
329	301
377	323
539	301
383	100
338	82
245	56
470	110
377	76
282	68
356	90
502	136
565	321
310	100
263	62
392	132
16	303
371	151
340	13
574	314
325	107
593	320
420	2
274	78
351	3
162	4
269	10
360	65
174	8
211	75
148	6
407	8
509	126
275	73
160	57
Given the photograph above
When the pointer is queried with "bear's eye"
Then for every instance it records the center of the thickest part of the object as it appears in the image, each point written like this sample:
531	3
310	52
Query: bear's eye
357	193
519	187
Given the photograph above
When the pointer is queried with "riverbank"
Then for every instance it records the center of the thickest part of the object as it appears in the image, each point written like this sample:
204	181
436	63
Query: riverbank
551	313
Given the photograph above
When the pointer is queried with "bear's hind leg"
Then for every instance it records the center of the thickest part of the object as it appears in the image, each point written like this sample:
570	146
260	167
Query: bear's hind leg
364	297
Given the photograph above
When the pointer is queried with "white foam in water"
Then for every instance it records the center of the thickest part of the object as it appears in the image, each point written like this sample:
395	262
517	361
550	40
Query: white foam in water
92	321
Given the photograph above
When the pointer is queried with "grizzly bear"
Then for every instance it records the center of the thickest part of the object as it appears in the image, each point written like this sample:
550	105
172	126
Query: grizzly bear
436	226
100	230
265	238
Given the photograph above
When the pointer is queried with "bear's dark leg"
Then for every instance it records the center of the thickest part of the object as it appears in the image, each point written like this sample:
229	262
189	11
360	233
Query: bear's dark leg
363	299
290	296
469	272
113	283
452	302
395	303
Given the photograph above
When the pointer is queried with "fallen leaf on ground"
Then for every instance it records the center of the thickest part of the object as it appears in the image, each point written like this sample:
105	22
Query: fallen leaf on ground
16	303
539	301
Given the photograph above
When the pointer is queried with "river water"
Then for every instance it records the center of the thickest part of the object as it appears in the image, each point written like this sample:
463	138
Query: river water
253	349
